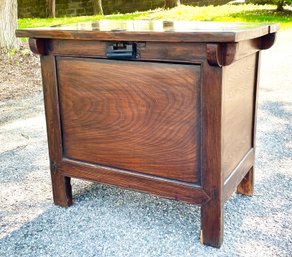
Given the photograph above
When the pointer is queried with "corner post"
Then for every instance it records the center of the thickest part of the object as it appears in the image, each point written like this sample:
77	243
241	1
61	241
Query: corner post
62	191
212	212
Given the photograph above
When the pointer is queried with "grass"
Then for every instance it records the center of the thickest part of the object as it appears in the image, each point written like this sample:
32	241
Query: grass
228	13
41	22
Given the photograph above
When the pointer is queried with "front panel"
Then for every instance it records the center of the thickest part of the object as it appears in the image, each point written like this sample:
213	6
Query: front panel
137	116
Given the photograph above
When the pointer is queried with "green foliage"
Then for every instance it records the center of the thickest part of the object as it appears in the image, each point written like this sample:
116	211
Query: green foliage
228	13
279	3
283	2
12	52
42	22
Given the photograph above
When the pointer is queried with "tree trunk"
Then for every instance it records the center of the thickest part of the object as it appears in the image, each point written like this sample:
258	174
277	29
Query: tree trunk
8	24
97	7
171	3
51	8
280	7
281	4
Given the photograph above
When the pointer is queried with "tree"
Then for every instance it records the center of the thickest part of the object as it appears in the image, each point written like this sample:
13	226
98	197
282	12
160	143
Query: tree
51	8
280	3
8	24
97	7
171	3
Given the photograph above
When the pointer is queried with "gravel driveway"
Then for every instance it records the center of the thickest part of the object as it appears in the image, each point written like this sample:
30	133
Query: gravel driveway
108	221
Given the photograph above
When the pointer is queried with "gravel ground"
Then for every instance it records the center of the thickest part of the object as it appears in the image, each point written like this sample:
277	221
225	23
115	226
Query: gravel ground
20	73
109	221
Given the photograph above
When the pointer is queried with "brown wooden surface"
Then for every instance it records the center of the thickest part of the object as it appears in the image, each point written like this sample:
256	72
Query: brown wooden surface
78	47
238	174
238	106
37	46
178	31
177	122
245	187
62	191
166	188
212	212
184	52
172	51
217	54
268	41
143	117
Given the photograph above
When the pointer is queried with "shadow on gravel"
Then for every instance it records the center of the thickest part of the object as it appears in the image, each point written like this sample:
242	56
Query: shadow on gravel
274	135
109	221
24	149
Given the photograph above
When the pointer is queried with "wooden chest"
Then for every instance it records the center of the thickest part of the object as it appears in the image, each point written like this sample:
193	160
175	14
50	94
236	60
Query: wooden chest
167	108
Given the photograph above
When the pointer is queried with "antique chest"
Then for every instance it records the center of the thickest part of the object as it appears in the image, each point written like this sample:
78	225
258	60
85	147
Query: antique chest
167	108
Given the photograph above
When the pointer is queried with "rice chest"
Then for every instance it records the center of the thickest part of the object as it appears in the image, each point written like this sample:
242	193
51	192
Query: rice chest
167	108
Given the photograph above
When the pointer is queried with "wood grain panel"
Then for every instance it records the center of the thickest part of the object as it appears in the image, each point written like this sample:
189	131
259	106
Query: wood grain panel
77	47
179	32
172	51
238	111
238	174
135	116
146	50
167	188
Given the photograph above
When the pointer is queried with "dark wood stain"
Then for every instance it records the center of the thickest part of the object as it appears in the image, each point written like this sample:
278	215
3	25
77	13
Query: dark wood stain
212	212
238	102
145	31
240	175
167	188
132	116
178	120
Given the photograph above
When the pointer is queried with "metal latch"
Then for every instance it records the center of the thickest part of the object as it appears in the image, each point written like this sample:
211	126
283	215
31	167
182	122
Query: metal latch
121	50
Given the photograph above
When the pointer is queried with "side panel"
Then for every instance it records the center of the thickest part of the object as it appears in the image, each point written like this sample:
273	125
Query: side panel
137	116
239	80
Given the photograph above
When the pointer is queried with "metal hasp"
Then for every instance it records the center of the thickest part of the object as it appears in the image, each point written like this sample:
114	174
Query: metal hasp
121	50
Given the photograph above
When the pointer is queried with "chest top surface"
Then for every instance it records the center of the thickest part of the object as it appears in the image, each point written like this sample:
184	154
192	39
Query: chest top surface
155	30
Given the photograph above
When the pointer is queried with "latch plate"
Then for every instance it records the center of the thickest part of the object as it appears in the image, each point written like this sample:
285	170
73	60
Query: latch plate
121	50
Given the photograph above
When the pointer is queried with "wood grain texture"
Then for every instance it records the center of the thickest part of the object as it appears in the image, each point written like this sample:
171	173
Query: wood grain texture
62	192
178	121
51	100
138	36
238	174
246	185
214	54
221	54
184	52
187	52
167	188
175	31
38	46
212	223
78	47
238	111
143	117
212	212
